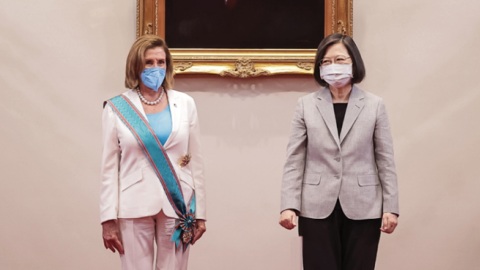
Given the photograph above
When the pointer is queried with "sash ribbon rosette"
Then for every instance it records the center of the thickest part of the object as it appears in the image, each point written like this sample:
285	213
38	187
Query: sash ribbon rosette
184	230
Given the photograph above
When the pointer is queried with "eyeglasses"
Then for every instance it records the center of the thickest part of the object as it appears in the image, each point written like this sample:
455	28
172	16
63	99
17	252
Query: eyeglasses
339	59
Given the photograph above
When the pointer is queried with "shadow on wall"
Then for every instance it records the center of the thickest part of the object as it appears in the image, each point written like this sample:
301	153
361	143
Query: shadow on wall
245	112
250	87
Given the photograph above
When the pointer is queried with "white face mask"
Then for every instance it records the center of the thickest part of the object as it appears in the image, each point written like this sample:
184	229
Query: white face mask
336	75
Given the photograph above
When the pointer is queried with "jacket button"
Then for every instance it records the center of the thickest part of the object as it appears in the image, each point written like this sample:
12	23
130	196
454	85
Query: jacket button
337	159
337	176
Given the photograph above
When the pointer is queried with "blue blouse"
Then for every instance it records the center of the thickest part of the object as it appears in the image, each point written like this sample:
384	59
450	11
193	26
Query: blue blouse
161	124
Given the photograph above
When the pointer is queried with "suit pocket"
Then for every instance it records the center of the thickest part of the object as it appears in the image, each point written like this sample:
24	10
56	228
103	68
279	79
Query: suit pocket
185	176
368	180
131	179
311	178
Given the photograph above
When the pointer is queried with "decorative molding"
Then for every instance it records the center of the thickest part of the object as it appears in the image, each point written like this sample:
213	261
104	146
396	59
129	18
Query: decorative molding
334	15
156	17
178	57
182	66
147	17
138	19
244	68
341	27
306	66
350	27
149	29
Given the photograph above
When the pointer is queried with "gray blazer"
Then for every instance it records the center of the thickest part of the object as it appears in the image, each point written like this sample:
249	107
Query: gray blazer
357	168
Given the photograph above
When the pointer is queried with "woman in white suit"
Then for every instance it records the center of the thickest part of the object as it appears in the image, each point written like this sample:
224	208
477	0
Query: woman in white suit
152	179
339	176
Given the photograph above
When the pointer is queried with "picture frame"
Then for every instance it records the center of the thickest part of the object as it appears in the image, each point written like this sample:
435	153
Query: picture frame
243	62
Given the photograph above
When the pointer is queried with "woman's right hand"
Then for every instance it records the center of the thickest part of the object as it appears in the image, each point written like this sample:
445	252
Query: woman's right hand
288	219
111	236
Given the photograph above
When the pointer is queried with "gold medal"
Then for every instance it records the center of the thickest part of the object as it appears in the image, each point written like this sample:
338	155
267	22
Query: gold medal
184	160
187	237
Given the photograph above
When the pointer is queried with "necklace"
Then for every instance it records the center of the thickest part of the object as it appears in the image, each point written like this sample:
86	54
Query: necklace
144	100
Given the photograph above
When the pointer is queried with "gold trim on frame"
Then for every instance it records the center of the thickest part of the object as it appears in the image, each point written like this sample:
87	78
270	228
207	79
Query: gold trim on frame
244	68
306	66
182	66
243	63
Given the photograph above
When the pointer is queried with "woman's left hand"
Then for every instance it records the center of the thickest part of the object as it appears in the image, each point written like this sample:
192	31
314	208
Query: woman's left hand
390	222
199	229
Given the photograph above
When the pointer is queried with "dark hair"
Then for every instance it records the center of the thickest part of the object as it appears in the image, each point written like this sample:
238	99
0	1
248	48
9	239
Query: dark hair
358	69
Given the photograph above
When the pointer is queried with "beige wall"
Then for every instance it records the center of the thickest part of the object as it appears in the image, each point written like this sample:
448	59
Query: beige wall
60	59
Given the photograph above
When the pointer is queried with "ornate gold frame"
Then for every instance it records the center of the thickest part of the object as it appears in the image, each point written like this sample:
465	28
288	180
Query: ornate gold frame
243	63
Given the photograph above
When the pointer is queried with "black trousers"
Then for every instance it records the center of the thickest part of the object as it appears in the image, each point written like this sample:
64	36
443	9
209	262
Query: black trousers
339	243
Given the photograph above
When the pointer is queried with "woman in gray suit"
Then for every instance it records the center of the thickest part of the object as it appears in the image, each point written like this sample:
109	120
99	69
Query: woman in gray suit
339	176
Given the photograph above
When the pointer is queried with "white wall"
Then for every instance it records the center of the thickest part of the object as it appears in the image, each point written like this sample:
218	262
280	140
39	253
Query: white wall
423	59
60	59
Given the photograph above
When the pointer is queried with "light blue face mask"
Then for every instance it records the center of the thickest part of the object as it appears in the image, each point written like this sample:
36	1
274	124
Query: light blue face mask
153	77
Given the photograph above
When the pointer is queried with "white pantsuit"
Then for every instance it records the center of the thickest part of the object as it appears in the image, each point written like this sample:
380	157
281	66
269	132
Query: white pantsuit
138	235
131	191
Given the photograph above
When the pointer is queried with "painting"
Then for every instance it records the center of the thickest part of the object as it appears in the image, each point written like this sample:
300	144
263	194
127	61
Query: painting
244	38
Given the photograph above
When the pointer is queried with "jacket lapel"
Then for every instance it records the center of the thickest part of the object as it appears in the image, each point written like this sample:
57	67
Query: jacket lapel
354	107
133	96
325	107
176	112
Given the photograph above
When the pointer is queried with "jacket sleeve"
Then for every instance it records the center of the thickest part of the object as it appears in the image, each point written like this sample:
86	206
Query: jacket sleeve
291	194
196	163
110	166
383	144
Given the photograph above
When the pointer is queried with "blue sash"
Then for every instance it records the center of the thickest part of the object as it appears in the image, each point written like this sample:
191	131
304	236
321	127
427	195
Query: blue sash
158	158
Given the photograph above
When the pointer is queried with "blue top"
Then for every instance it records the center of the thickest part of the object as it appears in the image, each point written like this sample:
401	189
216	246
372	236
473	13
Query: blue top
161	124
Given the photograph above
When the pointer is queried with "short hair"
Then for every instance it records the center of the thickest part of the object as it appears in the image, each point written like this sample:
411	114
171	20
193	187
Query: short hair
358	68
136	61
